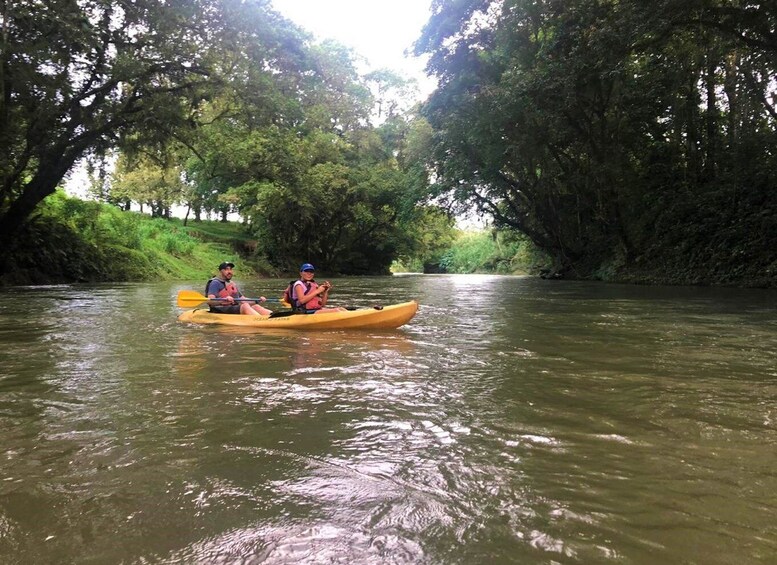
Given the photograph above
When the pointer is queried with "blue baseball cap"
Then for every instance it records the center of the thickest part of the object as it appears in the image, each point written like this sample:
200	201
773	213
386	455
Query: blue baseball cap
307	267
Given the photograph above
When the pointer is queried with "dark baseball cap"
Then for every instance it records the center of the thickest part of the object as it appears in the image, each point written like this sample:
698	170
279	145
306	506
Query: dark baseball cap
226	264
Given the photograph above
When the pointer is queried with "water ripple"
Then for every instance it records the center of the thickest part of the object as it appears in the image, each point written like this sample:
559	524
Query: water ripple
574	423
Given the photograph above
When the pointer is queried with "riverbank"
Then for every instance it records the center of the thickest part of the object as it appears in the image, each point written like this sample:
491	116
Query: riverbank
751	266
71	240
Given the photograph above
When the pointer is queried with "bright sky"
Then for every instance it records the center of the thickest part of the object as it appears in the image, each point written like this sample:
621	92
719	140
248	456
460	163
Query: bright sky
380	31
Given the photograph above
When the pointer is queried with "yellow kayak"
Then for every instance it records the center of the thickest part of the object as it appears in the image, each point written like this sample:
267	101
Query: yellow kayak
387	317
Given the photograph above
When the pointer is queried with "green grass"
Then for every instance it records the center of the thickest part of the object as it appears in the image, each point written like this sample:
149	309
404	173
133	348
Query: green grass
71	240
213	231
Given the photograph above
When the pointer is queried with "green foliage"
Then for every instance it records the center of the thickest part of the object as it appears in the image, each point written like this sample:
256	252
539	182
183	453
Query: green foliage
177	244
223	106
630	140
391	93
80	79
71	240
343	217
219	232
155	181
492	252
323	185
429	232
74	240
625	139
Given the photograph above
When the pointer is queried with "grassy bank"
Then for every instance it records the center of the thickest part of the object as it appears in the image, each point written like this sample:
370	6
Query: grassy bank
71	240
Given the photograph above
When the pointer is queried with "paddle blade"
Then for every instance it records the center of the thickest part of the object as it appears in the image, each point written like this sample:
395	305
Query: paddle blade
190	299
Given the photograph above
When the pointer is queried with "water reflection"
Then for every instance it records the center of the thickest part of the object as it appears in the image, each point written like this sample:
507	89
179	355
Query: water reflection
288	351
513	420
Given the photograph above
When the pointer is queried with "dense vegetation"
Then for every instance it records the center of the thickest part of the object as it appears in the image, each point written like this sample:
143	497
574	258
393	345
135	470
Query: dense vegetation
69	239
627	140
222	106
481	251
631	140
74	240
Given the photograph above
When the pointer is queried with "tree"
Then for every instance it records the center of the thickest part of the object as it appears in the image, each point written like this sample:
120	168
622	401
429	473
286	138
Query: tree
333	97
430	235
149	179
341	211
323	185
393	94
79	77
584	124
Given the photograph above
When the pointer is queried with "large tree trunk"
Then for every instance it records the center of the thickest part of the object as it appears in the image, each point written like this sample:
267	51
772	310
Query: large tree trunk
710	162
40	186
692	137
731	87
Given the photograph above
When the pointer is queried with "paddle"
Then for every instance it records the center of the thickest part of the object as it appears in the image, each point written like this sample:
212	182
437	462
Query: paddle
191	298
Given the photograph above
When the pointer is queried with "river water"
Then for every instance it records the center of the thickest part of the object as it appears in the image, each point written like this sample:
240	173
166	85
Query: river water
514	420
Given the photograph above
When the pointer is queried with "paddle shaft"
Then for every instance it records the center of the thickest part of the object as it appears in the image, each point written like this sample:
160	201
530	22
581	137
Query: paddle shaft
244	299
190	298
